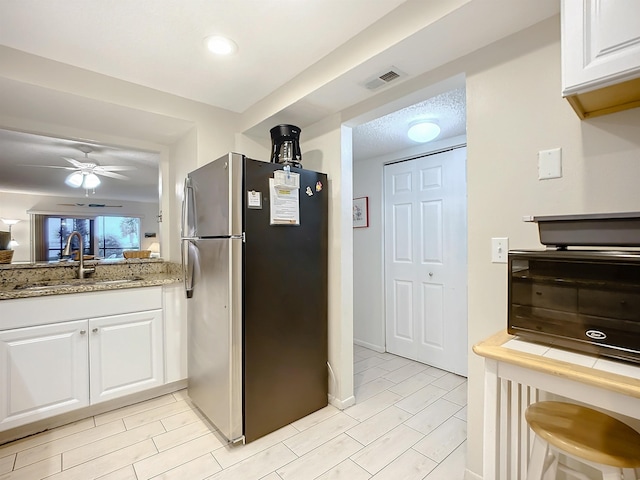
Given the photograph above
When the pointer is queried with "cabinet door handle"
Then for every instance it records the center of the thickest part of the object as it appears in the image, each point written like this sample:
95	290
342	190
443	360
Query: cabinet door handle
95	330
82	332
538	293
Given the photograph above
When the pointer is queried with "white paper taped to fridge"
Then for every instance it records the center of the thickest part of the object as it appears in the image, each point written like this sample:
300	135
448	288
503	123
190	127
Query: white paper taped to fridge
285	179
284	205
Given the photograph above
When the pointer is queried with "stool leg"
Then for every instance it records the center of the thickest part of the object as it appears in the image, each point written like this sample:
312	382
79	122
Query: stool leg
537	460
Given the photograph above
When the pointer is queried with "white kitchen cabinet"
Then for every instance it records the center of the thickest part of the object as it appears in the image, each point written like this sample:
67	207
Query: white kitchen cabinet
126	354
44	372
53	362
601	55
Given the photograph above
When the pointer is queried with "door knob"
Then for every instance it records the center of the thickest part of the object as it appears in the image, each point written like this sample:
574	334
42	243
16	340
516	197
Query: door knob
82	332
95	330
431	274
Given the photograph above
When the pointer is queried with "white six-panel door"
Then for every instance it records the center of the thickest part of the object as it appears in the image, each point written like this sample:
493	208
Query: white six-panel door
426	259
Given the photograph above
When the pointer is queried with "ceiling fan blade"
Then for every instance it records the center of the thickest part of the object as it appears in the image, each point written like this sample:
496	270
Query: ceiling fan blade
111	174
113	168
50	166
74	162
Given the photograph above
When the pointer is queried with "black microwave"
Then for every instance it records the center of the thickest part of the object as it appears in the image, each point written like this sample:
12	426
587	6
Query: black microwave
583	300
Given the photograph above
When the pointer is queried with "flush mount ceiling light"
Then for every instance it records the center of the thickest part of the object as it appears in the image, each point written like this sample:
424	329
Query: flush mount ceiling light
424	131
220	45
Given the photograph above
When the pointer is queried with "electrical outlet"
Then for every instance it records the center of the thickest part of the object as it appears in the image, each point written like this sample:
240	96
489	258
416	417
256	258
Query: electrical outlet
499	249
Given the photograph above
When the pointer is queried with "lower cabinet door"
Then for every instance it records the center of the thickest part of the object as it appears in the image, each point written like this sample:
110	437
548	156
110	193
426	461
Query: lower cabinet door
126	354
43	372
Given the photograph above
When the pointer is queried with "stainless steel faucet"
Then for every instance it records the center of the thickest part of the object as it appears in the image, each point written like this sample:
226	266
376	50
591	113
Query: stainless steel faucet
82	271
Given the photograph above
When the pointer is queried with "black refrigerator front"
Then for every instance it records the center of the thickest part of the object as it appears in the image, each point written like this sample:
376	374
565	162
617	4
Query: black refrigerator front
257	277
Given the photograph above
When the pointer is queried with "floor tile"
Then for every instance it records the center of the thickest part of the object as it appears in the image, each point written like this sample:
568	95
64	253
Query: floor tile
439	444
372	388
315	436
421	399
412	384
259	465
108	463
387	448
458	395
321	459
126	473
405	372
6	463
427	420
378	425
198	469
232	454
408	417
368	375
164	461
133	409
68	442
48	436
368	408
155	414
453	467
347	470
411	465
315	418
43	468
93	450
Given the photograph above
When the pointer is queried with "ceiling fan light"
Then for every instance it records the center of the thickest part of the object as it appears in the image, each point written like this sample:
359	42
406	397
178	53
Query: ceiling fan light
74	180
423	132
91	180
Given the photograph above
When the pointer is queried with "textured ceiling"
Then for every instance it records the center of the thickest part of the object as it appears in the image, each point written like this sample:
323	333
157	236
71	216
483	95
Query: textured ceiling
388	134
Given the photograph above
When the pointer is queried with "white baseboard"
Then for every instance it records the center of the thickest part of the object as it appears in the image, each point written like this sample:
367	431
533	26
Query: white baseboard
370	346
342	404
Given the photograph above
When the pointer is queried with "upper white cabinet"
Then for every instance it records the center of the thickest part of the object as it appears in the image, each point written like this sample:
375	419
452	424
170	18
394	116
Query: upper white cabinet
601	55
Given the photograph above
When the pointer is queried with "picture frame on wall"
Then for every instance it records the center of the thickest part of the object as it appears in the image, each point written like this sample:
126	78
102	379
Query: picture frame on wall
361	212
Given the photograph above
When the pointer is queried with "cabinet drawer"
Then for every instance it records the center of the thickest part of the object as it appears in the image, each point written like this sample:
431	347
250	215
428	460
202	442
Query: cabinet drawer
610	304
544	296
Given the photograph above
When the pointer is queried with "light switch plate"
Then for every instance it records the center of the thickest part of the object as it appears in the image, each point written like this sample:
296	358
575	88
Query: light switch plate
550	164
499	249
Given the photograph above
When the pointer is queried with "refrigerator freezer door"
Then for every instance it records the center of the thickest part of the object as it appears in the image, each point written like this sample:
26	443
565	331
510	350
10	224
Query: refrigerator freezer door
215	333
214	199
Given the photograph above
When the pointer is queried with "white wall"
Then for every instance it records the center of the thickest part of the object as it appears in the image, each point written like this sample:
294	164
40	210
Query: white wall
368	244
514	109
327	148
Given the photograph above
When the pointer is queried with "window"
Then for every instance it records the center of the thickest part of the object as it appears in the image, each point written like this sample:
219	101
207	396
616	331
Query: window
103	236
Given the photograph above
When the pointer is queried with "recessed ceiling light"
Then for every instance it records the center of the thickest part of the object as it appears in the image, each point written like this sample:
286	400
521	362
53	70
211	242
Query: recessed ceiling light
423	131
221	45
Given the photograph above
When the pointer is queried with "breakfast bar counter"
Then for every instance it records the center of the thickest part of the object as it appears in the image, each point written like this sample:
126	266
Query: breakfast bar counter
519	373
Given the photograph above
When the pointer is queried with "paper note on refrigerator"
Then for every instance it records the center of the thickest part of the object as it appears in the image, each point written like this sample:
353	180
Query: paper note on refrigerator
284	205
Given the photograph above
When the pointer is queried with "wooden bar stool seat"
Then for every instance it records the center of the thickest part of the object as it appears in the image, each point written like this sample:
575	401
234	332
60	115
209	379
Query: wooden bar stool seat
584	434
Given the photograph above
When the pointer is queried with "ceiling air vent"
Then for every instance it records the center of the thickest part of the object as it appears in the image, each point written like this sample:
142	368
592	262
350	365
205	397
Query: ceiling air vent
389	75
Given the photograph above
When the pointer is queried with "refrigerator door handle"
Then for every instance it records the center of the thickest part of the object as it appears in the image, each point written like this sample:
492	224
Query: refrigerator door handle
187	267
188	211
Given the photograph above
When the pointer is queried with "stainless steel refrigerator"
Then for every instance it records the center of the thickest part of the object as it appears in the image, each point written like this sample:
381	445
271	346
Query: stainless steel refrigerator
255	261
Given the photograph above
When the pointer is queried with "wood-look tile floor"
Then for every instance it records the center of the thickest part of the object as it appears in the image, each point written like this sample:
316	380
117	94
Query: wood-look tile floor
409	422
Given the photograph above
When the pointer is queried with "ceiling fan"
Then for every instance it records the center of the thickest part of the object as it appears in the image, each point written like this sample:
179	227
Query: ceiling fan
85	174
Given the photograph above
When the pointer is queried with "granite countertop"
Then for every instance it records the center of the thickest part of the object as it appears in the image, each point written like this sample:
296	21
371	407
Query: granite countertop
37	280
